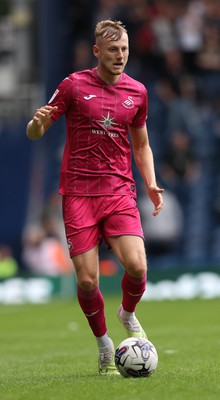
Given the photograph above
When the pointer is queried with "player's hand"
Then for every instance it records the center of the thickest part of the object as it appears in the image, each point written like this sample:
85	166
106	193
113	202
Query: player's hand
40	123
43	114
155	194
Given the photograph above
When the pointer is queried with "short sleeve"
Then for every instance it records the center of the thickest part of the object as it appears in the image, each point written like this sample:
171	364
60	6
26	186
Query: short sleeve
61	98
139	120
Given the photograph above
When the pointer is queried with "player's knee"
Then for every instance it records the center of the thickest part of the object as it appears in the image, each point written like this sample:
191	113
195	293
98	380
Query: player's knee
139	272
137	267
87	284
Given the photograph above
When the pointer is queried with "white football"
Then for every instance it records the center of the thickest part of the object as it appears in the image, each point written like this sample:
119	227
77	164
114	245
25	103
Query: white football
136	358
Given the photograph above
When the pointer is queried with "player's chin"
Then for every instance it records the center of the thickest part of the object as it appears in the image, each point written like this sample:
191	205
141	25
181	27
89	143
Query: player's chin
117	71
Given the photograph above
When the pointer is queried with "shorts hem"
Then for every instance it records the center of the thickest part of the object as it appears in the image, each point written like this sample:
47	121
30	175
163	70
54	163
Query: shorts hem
77	253
126	234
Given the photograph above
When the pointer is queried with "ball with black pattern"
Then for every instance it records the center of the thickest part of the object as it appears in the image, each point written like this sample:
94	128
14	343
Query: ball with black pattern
136	358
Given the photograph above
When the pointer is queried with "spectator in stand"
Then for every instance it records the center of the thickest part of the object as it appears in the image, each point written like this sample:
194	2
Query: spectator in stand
43	253
164	26
8	264
162	238
82	55
181	166
208	61
189	27
209	57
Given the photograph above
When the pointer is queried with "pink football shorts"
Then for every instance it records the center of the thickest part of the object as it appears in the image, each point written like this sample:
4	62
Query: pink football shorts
88	220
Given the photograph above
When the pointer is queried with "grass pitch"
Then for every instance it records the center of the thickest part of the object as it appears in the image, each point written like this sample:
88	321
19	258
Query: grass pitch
48	353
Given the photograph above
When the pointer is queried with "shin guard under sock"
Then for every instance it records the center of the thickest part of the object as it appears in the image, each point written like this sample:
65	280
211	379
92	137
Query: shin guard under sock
132	289
92	304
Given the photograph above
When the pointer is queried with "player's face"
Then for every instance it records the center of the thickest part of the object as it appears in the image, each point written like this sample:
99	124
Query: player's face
112	57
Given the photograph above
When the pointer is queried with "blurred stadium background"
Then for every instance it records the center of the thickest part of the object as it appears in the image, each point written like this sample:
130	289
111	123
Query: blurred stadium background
175	52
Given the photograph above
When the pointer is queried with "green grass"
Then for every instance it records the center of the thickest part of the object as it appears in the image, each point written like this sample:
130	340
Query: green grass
47	352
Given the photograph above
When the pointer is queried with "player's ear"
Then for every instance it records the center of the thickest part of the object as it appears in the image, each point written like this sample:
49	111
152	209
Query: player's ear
95	50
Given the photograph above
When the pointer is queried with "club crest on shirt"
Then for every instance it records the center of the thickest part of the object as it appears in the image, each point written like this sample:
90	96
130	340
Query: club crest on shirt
128	103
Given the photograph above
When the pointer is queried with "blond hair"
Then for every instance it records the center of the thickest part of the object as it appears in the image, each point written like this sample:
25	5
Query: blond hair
109	29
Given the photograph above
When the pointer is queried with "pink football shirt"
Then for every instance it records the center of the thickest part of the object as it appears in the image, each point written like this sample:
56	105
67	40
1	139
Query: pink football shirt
97	154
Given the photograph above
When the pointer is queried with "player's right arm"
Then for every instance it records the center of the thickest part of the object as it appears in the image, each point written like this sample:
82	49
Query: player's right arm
41	122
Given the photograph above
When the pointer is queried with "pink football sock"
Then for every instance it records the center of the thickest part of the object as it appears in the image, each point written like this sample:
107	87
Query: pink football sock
132	290
92	304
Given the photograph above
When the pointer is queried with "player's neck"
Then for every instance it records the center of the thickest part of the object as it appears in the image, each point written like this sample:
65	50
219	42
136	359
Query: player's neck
106	77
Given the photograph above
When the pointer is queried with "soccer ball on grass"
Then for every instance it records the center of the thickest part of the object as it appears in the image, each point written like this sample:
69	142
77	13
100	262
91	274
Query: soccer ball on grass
136	358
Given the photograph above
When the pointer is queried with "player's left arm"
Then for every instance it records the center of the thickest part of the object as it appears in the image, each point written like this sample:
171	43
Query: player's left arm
145	163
